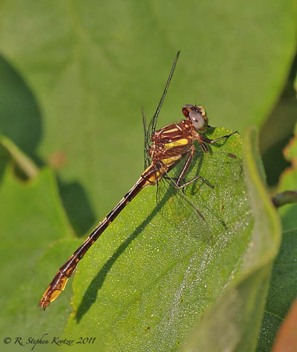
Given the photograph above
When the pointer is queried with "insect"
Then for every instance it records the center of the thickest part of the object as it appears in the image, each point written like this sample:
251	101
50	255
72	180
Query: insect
164	149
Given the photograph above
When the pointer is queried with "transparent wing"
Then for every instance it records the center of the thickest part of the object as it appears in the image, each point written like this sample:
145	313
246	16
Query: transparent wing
151	128
153	122
147	137
201	210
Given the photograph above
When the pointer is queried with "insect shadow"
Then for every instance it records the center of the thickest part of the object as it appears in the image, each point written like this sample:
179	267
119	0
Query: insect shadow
91	293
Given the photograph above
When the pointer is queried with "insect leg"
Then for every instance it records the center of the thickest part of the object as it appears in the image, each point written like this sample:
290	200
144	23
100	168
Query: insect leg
184	170
211	141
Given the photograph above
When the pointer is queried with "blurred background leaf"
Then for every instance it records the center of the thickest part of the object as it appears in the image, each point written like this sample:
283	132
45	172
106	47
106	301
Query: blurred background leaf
288	181
31	218
282	291
278	129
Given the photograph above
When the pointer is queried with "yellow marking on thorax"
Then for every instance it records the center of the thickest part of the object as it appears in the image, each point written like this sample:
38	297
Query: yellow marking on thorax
171	160
177	143
169	131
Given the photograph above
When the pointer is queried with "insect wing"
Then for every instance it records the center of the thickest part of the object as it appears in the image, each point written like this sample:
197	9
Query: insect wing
200	209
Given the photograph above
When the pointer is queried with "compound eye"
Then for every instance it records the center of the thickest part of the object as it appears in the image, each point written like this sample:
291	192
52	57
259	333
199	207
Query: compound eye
197	120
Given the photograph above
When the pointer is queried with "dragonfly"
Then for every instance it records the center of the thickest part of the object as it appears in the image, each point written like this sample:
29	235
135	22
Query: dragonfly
164	149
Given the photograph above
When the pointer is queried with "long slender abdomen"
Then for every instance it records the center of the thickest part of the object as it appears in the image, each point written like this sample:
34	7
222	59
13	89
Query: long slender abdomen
59	282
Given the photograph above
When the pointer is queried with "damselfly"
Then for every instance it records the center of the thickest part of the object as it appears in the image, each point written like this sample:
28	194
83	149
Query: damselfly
164	149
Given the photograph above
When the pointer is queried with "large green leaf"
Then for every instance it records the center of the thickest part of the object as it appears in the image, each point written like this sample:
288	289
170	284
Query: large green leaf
233	323
146	282
92	65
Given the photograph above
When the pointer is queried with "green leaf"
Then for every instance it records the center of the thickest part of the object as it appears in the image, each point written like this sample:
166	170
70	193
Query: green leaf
21	316
282	291
145	283
233	323
288	182
92	65
31	219
20	118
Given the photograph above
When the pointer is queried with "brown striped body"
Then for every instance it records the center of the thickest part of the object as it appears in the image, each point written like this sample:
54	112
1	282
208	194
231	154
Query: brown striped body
171	143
